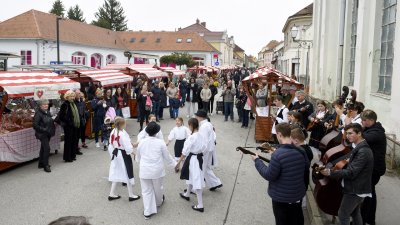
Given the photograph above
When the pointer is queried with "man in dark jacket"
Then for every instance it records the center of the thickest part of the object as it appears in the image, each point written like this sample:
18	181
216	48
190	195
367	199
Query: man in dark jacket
44	128
375	136
286	175
356	176
304	107
156	99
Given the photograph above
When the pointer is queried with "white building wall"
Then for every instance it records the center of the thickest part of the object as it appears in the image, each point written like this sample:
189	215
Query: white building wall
208	56
44	52
367	59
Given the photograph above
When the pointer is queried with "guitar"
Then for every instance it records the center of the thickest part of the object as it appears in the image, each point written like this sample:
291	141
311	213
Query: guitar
299	110
266	148
312	124
245	151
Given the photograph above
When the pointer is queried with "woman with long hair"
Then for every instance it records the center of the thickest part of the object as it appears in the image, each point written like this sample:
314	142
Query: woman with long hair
120	100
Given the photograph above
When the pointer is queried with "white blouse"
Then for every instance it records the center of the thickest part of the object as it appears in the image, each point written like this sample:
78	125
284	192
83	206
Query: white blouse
193	144
179	133
143	134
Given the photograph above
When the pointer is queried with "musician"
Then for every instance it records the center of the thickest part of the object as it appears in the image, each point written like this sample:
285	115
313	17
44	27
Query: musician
303	106
374	134
286	176
281	115
356	176
336	120
353	113
317	120
295	120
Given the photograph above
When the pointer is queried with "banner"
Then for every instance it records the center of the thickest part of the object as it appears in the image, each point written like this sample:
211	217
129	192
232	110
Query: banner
41	93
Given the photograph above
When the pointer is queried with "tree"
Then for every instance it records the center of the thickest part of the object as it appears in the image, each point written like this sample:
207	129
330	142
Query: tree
111	16
178	59
58	8
75	13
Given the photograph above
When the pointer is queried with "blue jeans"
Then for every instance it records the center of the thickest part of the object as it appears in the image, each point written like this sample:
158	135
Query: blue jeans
228	110
240	113
175	112
245	118
156	109
183	100
170	109
118	112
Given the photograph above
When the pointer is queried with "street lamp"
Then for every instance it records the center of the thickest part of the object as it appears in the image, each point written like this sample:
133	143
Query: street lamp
58	38
302	44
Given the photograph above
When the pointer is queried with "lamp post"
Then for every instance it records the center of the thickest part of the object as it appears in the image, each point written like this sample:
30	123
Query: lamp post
306	44
58	38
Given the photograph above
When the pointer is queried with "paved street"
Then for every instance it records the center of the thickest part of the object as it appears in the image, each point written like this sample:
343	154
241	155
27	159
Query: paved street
31	196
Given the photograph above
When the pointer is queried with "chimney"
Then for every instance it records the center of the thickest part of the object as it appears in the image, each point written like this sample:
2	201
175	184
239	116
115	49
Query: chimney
204	24
197	21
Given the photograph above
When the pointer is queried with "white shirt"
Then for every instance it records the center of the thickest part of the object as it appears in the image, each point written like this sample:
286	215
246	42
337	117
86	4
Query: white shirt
179	133
124	141
151	154
281	120
206	131
193	144
357	119
143	134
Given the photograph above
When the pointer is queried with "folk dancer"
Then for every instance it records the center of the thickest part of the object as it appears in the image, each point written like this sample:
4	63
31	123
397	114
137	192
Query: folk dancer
121	168
151	155
206	130
192	168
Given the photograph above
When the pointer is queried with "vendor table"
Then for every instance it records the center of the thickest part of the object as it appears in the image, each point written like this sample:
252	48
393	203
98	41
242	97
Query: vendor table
22	145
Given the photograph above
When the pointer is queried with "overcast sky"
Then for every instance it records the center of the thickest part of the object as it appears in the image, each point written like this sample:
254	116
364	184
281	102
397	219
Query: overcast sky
253	23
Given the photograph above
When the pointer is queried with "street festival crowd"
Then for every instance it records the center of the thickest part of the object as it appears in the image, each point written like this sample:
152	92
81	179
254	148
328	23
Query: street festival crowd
297	129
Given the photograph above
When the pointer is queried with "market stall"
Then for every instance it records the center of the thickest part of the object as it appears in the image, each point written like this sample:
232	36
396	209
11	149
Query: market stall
275	82
100	78
18	92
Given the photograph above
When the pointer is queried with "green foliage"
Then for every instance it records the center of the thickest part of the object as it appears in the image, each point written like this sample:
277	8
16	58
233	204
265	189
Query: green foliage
75	13
178	59
58	8
111	16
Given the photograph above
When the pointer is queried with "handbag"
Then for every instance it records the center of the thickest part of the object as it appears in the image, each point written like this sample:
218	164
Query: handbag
126	112
149	104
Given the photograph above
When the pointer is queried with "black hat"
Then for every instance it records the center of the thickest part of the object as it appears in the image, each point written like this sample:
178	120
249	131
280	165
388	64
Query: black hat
201	113
152	128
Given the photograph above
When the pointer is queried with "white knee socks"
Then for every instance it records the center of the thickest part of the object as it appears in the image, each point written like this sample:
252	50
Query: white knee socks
113	187
188	190
199	193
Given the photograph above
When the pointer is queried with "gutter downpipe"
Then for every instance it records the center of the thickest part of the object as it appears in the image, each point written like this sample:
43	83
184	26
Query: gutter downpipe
339	71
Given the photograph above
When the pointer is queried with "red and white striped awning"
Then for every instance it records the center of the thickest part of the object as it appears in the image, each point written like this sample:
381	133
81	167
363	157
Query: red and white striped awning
23	84
148	70
173	70
116	66
107	77
266	71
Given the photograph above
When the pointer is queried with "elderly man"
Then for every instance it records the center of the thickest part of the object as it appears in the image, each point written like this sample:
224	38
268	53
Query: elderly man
229	97
303	106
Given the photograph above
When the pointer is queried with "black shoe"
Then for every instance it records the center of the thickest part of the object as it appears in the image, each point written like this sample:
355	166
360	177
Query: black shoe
197	209
157	121
191	192
215	188
79	153
105	148
47	169
40	166
252	118
161	118
68	161
73	159
124	184
134	198
148	217
184	197
110	198
242	126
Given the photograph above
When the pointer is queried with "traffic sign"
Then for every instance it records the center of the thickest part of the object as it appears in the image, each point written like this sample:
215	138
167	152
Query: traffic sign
216	63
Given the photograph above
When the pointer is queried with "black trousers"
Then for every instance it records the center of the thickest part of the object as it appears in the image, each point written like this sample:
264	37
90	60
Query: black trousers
211	105
82	132
44	151
71	139
368	208
288	214
144	116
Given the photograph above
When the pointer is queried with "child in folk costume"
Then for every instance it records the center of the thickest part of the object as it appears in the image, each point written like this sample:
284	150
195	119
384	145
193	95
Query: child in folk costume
143	134
179	133
106	131
193	165
121	169
151	154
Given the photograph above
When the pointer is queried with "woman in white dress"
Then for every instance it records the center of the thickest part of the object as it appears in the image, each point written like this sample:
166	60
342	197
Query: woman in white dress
152	153
192	167
121	169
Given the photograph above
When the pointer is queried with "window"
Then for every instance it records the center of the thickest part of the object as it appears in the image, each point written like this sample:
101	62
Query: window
133	40
26	57
353	43
201	34
189	40
142	40
179	40
387	40
158	40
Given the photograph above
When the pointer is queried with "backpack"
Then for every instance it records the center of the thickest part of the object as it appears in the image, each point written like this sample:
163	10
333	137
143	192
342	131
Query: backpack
148	104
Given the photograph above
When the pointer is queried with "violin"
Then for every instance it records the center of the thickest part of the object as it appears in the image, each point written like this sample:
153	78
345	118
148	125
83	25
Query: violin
245	151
